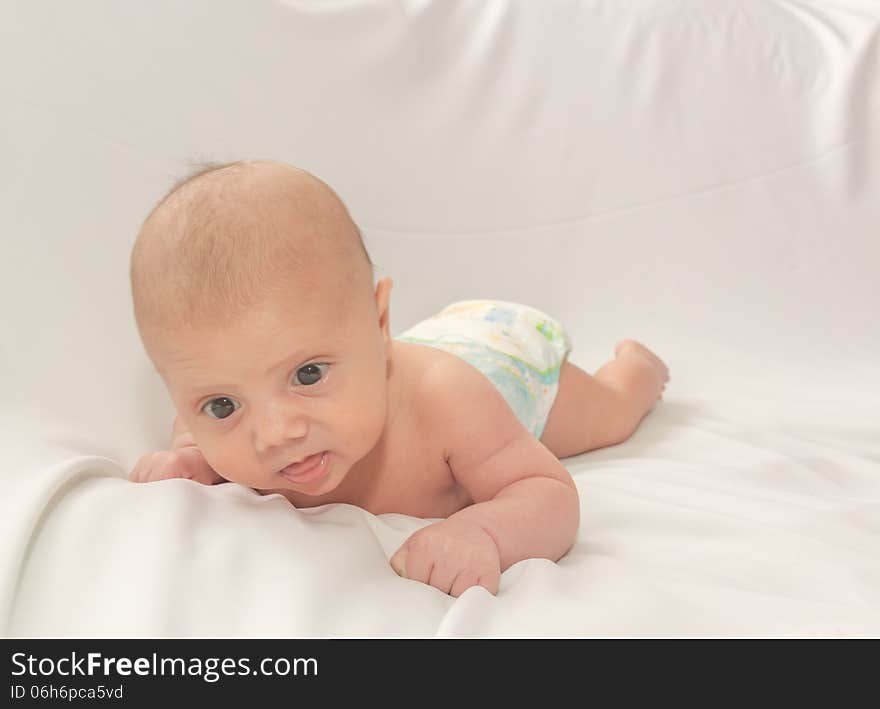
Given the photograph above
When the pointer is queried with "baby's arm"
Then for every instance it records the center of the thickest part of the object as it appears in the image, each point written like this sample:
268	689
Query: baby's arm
526	503
184	460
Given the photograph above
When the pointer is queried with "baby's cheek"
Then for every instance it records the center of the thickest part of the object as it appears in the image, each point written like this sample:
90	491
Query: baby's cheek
367	422
228	460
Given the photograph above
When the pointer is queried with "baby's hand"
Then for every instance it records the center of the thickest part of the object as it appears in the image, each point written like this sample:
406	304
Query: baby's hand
185	462
451	555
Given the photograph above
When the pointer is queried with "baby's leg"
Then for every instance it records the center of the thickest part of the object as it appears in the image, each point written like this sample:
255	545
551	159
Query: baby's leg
604	409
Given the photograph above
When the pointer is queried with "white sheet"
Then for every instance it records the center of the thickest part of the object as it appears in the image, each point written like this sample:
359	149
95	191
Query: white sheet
704	177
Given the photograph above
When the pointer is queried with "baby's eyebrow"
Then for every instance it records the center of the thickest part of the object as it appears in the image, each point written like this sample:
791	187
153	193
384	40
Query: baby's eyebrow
197	390
284	360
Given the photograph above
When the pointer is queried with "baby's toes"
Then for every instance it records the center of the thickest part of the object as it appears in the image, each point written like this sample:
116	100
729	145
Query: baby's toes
638	348
659	365
621	346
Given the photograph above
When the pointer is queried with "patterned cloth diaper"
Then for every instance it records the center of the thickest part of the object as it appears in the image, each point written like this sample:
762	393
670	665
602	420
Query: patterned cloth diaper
520	349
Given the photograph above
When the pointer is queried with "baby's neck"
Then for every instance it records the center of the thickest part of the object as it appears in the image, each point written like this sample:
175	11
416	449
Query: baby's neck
365	471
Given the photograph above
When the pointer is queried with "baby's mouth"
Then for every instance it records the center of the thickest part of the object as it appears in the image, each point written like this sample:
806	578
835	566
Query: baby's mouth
308	469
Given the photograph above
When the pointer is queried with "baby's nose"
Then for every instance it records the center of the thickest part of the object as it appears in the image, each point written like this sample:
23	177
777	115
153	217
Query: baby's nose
278	426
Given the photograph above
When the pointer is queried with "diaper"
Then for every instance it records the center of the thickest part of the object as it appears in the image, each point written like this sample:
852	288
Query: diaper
520	349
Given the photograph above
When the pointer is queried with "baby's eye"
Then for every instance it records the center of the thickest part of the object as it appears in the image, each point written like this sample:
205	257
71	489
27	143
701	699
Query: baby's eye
311	373
221	407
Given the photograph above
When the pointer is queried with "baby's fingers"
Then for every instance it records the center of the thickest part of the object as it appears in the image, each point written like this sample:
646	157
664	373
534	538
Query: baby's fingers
138	474
398	562
165	465
473	577
159	465
412	564
192	465
463	582
490	582
444	574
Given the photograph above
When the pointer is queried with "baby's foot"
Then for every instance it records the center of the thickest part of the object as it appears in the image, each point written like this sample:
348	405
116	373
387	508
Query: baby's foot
631	348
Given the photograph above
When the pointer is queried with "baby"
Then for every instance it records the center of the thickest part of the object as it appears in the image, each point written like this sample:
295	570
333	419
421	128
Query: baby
254	297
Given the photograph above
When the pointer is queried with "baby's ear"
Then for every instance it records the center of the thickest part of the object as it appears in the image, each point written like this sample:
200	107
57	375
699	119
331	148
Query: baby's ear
383	305
383	290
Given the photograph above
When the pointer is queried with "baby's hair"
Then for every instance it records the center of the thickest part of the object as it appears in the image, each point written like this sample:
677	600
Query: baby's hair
201	168
209	248
198	169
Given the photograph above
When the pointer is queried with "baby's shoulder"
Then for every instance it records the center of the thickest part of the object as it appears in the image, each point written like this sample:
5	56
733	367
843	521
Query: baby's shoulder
454	402
432	376
432	369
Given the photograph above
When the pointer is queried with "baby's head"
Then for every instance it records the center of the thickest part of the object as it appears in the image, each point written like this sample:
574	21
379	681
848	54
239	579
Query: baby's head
253	295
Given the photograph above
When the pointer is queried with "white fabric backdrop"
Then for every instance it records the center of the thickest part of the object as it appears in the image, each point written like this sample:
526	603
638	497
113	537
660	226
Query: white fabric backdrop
704	177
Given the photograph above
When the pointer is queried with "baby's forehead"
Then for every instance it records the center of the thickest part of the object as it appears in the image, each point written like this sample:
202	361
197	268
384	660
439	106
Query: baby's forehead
197	371
263	335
